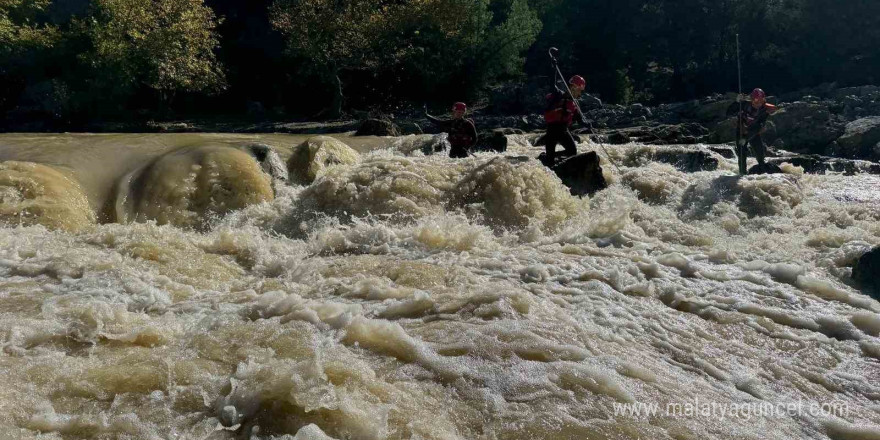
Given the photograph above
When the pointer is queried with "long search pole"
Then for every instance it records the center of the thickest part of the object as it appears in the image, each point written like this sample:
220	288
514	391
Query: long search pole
553	51
740	149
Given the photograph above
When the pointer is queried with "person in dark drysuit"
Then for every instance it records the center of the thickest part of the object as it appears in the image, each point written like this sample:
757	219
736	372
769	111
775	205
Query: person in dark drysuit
753	120
559	115
462	131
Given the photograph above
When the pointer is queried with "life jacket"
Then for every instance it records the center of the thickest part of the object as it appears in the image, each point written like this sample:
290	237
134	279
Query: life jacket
560	109
755	118
461	133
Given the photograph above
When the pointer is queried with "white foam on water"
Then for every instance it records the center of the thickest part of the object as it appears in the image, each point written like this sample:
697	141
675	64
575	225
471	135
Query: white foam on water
416	296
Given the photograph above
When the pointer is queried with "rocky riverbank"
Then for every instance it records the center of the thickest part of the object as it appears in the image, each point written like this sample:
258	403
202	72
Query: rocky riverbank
821	129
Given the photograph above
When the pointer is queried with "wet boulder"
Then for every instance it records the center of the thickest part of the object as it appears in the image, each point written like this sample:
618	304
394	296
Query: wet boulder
689	161
767	168
861	139
269	161
867	272
637	110
812	164
618	138
408	128
816	164
681	134
709	110
312	158
723	132
589	102
805	127
725	152
494	140
581	173
850	167
377	127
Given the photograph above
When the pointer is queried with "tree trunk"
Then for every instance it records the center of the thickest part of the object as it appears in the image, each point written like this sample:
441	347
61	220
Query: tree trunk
335	111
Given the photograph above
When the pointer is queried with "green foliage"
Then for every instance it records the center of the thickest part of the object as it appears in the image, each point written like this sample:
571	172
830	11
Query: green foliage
20	29
62	59
329	32
166	45
418	46
502	50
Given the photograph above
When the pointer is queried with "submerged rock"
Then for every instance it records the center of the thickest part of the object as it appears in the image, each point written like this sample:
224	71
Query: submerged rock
816	164
725	152
377	127
37	194
618	138
688	161
494	140
767	168
812	164
867	272
191	186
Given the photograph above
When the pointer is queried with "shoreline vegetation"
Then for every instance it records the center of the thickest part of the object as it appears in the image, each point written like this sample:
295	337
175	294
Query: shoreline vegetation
115	65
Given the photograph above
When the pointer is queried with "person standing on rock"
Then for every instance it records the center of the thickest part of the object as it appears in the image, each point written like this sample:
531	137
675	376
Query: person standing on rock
462	131
559	115
753	120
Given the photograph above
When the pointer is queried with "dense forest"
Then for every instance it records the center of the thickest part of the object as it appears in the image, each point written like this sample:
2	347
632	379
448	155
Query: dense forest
69	61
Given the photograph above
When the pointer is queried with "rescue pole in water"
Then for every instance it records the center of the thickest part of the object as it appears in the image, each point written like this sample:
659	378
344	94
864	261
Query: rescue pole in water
553	52
740	148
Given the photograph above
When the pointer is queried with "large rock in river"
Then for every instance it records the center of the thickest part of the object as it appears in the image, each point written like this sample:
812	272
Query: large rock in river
867	272
582	174
311	158
805	127
377	127
861	140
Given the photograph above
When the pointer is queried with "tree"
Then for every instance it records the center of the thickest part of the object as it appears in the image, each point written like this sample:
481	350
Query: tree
165	45
20	29
330	36
26	40
501	53
403	49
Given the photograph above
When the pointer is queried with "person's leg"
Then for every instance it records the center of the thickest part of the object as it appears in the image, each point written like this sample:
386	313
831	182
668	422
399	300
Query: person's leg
458	152
567	141
759	149
551	138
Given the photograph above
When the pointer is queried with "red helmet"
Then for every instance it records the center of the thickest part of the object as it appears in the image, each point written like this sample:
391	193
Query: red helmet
577	80
459	106
758	94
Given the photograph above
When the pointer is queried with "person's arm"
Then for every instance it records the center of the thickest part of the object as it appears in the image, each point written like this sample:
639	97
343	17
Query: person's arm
434	119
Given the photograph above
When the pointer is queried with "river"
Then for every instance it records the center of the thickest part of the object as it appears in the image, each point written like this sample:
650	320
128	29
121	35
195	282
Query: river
159	286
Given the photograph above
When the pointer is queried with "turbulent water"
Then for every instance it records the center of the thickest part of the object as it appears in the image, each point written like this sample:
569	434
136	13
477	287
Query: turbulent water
201	287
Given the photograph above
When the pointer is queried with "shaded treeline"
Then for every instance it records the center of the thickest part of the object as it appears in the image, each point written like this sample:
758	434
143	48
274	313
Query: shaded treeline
71	61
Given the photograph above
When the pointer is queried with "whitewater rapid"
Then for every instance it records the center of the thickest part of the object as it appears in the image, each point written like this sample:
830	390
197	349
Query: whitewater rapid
180	286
